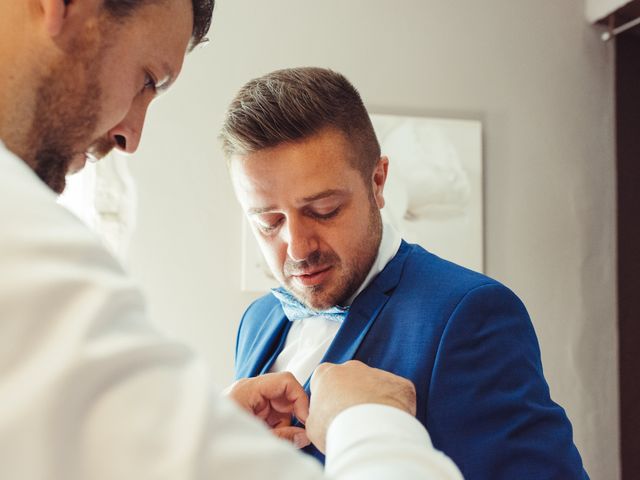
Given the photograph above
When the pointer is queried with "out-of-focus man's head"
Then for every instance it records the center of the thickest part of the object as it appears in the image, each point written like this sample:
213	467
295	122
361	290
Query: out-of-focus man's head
84	73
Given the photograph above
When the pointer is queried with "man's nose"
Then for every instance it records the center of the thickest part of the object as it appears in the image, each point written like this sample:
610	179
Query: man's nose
301	239
126	135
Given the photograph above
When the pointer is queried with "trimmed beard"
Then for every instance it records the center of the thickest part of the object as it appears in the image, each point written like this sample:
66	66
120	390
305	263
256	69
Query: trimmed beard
66	113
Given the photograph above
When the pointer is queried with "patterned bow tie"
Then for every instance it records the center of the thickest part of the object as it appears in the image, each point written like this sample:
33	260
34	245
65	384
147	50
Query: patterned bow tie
295	310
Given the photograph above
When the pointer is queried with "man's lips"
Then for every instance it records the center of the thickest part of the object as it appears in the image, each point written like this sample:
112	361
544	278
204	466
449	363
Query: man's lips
311	278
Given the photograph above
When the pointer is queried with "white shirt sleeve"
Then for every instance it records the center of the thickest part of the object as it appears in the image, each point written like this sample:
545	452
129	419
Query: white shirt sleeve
377	442
89	391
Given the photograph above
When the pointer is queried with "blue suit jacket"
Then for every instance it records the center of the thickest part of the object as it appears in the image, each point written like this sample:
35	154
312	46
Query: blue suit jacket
468	345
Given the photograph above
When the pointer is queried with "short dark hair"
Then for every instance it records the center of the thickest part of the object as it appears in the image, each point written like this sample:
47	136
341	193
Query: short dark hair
202	13
293	104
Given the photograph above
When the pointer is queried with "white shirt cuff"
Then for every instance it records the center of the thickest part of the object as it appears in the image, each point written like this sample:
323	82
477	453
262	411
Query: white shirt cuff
378	442
367	421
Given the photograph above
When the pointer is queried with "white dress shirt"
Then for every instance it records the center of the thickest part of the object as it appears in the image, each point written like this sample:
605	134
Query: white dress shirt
310	338
89	391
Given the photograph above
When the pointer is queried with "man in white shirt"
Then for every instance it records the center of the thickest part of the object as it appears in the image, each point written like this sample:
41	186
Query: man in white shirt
88	390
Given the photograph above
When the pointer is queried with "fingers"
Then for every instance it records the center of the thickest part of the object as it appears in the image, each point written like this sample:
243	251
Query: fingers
274	395
295	435
286	395
338	387
277	419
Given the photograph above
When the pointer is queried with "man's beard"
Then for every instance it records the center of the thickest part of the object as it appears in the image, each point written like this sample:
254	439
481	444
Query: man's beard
354	271
66	115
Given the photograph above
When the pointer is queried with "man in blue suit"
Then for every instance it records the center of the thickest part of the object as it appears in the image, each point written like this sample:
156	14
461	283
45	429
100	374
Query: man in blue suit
307	170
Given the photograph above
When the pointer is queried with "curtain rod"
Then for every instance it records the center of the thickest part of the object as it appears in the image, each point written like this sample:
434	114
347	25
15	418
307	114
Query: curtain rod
612	32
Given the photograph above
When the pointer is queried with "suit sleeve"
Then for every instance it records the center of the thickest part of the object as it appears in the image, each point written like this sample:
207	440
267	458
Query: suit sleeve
488	392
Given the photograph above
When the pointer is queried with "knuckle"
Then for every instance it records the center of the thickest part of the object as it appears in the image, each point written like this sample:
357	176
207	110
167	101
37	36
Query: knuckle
322	368
239	383
354	363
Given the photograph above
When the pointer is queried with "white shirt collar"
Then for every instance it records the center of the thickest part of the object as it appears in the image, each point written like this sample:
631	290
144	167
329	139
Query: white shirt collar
389	245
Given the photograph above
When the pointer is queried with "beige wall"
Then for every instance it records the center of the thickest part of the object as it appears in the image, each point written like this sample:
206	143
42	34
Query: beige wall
597	9
537	76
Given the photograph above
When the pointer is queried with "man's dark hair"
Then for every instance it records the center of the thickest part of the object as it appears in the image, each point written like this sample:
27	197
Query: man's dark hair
202	13
293	104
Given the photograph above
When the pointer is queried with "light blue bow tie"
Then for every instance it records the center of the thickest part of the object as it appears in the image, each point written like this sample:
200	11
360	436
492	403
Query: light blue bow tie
296	310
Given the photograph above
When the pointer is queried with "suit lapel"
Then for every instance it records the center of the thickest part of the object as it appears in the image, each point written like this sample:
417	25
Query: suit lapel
365	309
362	315
267	345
